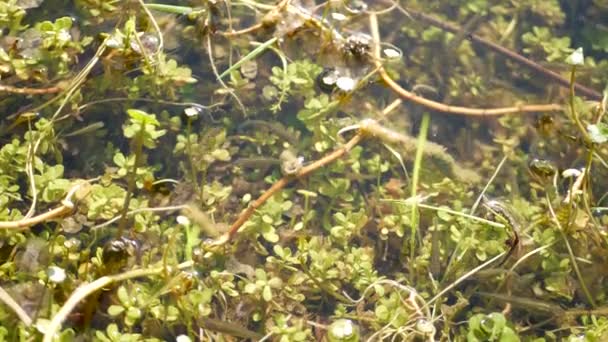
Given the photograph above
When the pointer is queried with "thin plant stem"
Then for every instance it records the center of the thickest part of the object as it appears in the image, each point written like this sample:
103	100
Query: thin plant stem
29	170
30	91
251	55
458	110
85	106
463	278
140	210
573	111
454	254
159	33
139	146
219	78
587	190
32	149
441	107
190	158
69	90
173	9
424	127
142	48
450	211
514	56
570	253
17	309
246	30
304	172
281	183
28	222
275	12
65	208
85	290
485	188
321	285
589	161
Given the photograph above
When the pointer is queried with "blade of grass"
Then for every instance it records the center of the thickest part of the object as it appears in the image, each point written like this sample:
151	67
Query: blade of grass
253	54
86	289
454	255
184	10
400	159
424	127
463	278
485	188
450	211
17	309
571	254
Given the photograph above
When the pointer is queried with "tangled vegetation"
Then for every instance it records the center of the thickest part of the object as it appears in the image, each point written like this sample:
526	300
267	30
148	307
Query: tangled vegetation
300	171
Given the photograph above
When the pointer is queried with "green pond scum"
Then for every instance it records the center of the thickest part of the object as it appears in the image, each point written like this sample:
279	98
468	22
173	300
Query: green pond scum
303	170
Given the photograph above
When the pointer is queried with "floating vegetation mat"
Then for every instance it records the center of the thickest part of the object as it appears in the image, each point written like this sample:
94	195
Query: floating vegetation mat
303	171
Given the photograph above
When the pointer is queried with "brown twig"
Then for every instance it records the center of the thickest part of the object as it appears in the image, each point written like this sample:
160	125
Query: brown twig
270	18
438	106
305	171
28	222
17	309
86	289
243	31
512	55
281	183
30	91
65	208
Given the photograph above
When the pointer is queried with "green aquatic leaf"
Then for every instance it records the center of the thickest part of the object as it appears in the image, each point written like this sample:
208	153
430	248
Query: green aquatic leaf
115	310
598	133
576	58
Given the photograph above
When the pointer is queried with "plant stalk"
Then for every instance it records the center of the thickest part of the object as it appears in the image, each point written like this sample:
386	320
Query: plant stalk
132	182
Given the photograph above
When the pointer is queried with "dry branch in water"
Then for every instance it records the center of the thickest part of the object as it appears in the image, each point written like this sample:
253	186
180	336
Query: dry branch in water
441	107
30	91
66	207
563	82
305	171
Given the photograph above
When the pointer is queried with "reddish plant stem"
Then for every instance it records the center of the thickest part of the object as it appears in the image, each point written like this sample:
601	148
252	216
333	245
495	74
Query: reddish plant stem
281	183
512	55
304	172
438	106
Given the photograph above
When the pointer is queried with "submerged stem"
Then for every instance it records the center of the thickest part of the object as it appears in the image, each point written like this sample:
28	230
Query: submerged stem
424	126
571	254
441	107
573	111
132	181
190	159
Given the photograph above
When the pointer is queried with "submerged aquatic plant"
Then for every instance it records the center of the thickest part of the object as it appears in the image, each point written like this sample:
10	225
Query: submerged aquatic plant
281	208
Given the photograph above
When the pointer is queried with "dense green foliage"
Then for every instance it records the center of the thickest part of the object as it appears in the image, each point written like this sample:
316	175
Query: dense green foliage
133	135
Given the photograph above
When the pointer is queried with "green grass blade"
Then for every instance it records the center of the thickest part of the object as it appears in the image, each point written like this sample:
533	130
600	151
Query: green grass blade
449	211
185	10
424	127
253	54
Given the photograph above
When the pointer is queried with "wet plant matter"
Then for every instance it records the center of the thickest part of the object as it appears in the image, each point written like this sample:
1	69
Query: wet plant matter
298	170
